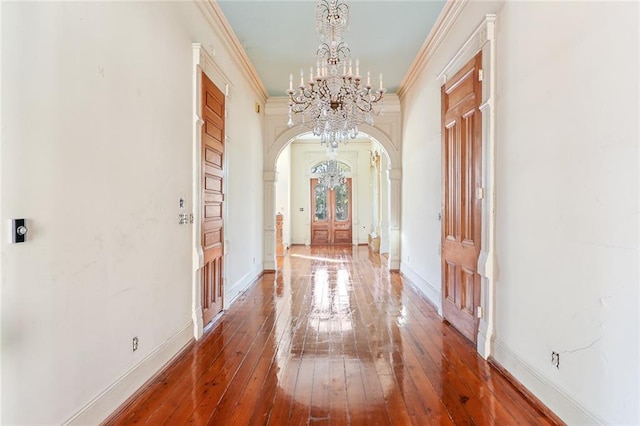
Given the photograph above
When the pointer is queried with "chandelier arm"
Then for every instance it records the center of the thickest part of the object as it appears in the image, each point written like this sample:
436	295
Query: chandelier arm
323	50
343	10
343	49
322	9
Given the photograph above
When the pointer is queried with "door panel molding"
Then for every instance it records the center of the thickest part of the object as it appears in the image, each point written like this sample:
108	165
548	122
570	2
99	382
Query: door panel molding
212	196
461	157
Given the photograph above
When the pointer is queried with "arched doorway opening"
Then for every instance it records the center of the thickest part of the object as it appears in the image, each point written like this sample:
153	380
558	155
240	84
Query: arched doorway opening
388	228
361	204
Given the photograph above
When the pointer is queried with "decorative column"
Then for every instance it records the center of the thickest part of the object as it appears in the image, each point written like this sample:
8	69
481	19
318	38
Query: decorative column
374	235
394	176
269	240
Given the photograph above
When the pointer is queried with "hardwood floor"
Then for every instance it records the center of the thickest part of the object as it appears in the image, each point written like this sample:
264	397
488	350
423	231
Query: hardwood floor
332	338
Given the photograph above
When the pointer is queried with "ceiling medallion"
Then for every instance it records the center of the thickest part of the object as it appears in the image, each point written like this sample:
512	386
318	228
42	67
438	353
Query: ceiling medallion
334	100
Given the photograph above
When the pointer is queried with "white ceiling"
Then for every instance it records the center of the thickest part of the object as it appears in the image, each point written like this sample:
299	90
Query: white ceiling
279	36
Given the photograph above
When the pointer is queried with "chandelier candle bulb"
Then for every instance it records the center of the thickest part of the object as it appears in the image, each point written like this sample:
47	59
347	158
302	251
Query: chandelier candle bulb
290	81
381	81
368	79
357	67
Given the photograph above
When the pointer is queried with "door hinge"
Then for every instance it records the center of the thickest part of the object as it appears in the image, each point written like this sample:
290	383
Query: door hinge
479	311
480	74
480	193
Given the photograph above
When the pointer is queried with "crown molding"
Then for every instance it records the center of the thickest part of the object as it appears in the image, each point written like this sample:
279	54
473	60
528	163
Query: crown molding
222	28
445	21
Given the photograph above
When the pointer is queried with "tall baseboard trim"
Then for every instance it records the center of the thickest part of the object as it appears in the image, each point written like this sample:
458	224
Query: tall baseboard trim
430	292
242	285
537	388
102	406
526	393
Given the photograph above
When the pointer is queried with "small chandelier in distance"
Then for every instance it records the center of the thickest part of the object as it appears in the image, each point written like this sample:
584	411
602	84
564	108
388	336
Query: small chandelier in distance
332	176
334	100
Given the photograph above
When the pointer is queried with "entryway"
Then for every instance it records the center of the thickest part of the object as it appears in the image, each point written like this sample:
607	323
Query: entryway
331	213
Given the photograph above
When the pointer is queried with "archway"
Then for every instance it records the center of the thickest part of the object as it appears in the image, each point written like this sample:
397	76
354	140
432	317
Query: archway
298	167
280	137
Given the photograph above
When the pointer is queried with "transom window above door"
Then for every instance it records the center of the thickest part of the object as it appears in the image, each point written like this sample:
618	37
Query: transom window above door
321	168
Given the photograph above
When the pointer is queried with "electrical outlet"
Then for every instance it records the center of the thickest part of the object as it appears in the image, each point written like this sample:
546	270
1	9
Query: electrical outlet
135	344
555	359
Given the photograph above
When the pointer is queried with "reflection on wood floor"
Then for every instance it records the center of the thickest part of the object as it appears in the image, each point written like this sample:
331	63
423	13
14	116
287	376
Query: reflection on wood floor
332	338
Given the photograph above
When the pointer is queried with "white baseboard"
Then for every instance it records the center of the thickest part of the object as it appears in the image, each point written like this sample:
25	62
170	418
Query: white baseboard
432	293
241	285
484	344
557	400
111	398
198	325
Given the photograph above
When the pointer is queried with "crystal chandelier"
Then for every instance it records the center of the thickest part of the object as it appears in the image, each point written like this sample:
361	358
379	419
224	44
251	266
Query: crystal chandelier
335	99
332	175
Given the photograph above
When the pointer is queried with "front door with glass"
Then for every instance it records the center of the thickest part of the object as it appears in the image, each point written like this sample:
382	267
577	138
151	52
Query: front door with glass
331	213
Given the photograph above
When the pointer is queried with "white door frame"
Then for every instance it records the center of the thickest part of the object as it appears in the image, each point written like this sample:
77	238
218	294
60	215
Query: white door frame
483	40
203	63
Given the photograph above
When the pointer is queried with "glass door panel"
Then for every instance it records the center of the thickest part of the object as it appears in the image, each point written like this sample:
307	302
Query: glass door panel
342	203
331	214
320	203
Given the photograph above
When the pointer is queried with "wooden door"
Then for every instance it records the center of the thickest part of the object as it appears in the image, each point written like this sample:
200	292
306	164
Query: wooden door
462	179
212	199
331	214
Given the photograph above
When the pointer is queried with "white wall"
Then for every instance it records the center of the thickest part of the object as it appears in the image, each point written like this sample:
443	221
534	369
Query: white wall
96	151
243	226
567	198
305	155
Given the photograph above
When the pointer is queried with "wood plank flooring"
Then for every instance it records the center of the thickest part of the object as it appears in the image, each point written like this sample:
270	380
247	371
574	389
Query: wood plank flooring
332	338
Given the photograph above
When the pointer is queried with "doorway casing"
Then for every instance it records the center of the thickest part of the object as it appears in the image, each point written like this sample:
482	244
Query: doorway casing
483	40
203	63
